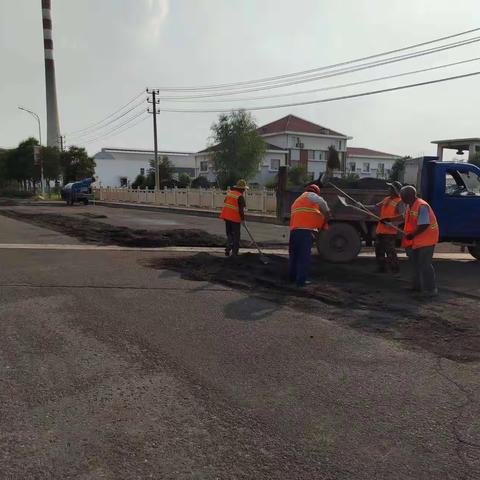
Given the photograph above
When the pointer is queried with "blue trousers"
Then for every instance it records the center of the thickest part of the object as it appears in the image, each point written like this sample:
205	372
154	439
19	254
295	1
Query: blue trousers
300	250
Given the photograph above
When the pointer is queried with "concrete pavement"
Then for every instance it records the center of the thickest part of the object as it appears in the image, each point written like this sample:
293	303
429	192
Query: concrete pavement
114	370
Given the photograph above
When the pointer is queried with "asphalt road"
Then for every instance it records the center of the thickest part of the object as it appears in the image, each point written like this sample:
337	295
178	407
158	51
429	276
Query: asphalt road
114	370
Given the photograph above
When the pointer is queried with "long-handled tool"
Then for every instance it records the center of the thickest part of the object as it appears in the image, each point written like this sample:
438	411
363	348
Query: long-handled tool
343	201
263	258
345	194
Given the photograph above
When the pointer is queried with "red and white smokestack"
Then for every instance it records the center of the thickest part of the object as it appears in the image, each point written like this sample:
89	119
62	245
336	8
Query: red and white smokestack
53	124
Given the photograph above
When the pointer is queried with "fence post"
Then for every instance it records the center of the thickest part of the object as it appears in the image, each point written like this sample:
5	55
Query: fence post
187	203
138	194
264	200
175	196
213	198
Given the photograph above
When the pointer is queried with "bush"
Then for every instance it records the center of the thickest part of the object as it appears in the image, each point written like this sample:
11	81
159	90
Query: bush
298	176
200	182
184	180
140	182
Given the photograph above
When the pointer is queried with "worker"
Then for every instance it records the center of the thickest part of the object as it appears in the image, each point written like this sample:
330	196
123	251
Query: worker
233	212
421	234
392	210
309	214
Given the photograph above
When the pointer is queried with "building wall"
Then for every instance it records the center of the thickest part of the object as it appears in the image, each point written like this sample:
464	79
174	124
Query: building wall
374	163
113	165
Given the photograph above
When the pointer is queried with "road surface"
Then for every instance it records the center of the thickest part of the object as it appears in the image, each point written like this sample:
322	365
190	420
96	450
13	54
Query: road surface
111	369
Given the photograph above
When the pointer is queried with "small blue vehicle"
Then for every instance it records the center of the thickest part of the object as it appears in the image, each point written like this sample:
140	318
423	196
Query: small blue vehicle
80	191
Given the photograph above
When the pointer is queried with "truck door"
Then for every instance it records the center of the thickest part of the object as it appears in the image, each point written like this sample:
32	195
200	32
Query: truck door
457	202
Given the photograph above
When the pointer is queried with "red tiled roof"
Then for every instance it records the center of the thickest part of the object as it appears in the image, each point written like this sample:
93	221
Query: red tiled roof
291	123
214	148
367	152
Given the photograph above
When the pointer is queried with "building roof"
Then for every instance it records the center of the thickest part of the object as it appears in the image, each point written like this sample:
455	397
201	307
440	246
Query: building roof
137	150
367	152
292	123
457	143
216	147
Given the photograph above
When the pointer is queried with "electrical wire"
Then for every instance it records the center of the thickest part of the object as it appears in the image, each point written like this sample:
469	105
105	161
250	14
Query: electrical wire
113	120
108	116
332	74
317	69
332	87
331	99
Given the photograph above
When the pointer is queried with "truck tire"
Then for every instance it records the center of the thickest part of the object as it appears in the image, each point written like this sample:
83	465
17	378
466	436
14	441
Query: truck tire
475	251
341	243
85	201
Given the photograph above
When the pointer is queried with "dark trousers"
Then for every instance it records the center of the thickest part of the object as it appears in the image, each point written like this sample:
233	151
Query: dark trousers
233	236
300	249
385	252
423	271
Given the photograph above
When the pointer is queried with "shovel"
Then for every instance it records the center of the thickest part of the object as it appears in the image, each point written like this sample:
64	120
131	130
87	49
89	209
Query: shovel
343	201
356	202
263	258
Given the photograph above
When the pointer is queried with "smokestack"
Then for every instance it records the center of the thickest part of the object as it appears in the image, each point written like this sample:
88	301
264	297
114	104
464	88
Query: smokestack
53	125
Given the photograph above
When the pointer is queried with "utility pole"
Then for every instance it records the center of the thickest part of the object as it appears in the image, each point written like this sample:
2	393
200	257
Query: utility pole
155	101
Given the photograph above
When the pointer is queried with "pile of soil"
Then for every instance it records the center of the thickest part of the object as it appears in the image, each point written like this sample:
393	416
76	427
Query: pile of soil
90	231
91	215
7	202
446	326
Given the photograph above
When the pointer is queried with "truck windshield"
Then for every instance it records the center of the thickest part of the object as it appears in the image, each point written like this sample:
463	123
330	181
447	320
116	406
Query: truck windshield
462	183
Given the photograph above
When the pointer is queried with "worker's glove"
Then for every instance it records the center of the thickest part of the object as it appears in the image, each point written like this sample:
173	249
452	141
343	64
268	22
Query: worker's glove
410	236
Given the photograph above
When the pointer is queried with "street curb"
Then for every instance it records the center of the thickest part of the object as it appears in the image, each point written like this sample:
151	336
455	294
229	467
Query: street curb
185	211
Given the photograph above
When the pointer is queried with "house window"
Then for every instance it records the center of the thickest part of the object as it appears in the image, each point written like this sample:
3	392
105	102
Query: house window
123	181
381	169
294	155
320	155
142	171
352	167
311	154
274	164
204	166
366	167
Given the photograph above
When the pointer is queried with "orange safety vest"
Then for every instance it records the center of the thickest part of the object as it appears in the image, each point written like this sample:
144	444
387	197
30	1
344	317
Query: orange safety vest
230	210
428	237
388	210
306	214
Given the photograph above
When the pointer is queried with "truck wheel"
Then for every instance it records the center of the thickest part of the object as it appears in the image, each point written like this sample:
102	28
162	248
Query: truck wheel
341	243
85	201
475	251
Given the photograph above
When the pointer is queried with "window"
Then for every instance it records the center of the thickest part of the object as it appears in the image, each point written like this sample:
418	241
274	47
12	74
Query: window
311	154
204	166
366	167
352	167
381	168
462	184
320	155
142	171
274	164
294	155
123	181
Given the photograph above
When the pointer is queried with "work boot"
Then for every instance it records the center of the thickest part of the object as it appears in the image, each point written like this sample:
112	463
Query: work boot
227	252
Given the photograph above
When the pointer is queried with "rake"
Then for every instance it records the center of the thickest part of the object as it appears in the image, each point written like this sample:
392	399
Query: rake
263	258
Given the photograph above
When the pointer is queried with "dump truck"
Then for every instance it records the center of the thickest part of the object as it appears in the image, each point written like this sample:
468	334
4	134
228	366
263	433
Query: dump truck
451	188
80	191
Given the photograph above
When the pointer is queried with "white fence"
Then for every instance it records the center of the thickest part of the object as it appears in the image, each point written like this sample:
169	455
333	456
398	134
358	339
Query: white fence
258	201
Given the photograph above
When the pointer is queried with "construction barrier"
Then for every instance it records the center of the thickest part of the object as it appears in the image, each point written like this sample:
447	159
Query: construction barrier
258	200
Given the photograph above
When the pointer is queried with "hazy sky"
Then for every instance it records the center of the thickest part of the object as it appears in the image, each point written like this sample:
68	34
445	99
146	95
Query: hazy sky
107	51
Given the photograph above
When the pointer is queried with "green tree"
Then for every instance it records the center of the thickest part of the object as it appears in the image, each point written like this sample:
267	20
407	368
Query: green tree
333	160
240	147
298	176
200	182
165	172
19	165
398	168
76	164
141	182
184	180
51	164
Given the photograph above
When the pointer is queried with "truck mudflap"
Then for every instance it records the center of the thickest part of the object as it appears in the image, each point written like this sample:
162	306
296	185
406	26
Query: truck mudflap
341	243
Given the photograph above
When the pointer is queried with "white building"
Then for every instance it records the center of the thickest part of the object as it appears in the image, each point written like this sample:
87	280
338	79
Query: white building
120	166
290	141
370	163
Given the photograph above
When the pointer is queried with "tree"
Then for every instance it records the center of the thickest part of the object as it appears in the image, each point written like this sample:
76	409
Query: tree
184	180
76	164
165	172
398	168
298	176
333	160
51	164
239	147
140	182
200	182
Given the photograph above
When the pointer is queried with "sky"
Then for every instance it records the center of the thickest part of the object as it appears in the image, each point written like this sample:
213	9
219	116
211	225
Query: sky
108	51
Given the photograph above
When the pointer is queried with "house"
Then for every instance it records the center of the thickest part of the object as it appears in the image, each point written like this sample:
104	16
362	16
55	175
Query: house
365	162
290	141
117	167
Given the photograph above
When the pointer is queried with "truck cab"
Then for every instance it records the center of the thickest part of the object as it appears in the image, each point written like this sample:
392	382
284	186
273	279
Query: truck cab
453	191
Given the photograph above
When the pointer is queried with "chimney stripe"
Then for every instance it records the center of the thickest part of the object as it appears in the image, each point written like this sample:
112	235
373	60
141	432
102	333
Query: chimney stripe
47	34
47	23
46	13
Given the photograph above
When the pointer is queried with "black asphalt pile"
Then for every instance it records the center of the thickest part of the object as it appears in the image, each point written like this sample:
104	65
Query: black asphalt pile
91	231
447	326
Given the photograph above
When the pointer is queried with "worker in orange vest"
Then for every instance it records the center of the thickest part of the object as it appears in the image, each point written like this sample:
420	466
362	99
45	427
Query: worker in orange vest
421	234
309	214
392	210
233	212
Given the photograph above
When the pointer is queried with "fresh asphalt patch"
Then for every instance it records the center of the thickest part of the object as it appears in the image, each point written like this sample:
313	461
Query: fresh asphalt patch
446	326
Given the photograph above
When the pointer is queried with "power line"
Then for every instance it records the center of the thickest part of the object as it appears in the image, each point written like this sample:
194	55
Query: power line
331	99
317	69
108	116
334	73
113	120
332	87
127	121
